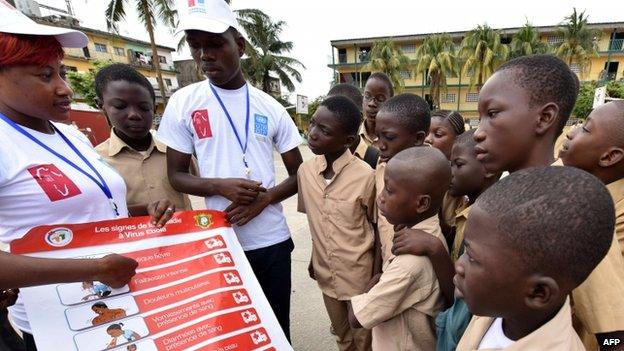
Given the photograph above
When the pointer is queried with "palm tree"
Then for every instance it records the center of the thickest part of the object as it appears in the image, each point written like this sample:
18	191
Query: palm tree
579	42
149	12
385	57
527	42
482	52
436	58
264	34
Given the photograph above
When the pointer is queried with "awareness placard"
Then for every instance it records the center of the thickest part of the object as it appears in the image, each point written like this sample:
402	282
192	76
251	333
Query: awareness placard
194	289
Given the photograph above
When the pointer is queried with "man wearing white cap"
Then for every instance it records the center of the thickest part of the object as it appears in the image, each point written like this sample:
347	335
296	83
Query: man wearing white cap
233	129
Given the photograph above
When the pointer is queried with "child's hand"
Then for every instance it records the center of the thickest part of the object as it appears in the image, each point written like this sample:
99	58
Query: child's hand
413	242
161	211
311	270
116	270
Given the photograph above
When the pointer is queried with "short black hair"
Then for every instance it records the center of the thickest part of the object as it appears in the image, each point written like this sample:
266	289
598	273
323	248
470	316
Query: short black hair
117	72
466	139
99	305
428	168
560	220
347	90
384	78
346	112
546	78
455	119
412	110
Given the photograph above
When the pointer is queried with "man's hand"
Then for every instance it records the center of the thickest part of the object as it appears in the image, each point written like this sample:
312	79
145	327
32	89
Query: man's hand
8	298
239	191
241	214
413	242
161	211
116	270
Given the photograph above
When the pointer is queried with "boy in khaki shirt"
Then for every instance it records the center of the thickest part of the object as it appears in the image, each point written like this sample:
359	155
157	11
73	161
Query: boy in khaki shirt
402	122
402	302
126	97
524	106
598	148
519	264
337	192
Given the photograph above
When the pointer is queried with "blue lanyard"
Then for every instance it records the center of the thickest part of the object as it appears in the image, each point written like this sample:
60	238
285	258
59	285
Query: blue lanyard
101	183
227	114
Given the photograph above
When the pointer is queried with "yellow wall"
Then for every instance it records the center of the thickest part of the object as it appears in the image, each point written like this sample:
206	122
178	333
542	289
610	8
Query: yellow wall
468	109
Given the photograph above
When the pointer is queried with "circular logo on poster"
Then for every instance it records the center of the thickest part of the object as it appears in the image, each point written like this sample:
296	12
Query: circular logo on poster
59	237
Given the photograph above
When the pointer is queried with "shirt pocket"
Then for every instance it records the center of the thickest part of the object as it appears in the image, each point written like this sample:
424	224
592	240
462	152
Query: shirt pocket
348	214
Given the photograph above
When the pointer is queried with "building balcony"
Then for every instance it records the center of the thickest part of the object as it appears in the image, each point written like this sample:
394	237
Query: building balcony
616	45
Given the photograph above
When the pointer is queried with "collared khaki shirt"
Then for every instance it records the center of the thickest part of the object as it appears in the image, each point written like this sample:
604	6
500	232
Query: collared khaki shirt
450	206
369	139
386	229
401	308
145	175
339	215
360	151
460	226
598	303
556	335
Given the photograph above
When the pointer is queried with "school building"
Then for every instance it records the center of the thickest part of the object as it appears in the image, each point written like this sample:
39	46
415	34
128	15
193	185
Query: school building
105	46
351	56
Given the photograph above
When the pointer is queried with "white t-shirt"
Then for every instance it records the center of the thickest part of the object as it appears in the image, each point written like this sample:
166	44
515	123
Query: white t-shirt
38	188
194	122
495	338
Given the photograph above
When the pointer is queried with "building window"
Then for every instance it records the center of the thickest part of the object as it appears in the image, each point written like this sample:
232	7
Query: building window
100	47
554	39
342	55
447	97
406	74
71	69
162	59
364	54
168	82
120	51
472	97
408	48
574	67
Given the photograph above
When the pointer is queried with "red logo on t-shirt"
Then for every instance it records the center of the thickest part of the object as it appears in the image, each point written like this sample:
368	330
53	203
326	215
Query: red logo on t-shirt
201	123
54	182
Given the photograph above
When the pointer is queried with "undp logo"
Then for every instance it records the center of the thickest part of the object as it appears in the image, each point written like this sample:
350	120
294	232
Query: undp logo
192	3
59	237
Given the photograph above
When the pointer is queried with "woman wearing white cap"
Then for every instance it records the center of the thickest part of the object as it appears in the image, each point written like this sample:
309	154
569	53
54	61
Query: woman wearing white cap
49	172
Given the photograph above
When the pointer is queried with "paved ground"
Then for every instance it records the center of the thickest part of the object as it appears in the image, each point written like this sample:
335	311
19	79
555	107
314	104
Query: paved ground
309	322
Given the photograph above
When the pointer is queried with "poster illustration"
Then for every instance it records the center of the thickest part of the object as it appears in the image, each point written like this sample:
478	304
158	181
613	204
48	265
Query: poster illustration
194	289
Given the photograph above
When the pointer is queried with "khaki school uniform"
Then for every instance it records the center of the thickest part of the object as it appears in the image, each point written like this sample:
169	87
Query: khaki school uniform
616	189
386	229
360	150
339	215
450	205
556	335
460	225
598	303
401	308
145	172
369	139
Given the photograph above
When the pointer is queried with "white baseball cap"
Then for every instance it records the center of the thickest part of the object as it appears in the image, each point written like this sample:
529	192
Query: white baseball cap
15	22
214	16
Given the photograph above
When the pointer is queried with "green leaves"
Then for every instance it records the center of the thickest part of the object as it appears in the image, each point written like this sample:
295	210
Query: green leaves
385	57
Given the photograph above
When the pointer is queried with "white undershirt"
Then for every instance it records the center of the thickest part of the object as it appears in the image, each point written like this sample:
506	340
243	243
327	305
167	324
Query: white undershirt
495	337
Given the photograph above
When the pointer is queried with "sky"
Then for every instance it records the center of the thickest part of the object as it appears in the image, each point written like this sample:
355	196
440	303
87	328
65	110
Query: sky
311	25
